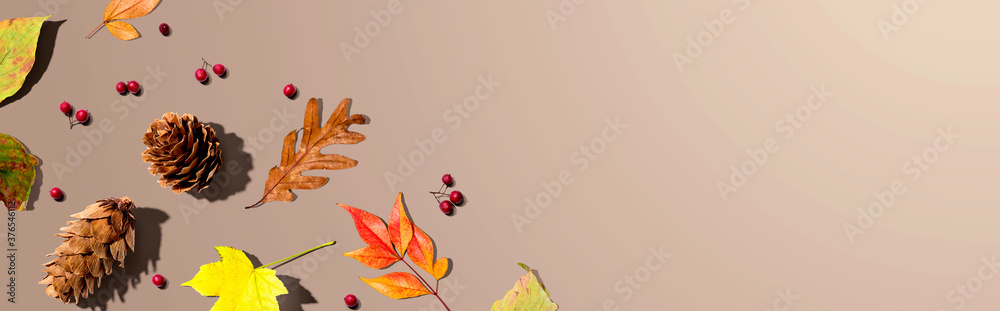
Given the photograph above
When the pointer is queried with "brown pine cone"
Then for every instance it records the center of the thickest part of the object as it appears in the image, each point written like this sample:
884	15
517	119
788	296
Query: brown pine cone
102	234
184	152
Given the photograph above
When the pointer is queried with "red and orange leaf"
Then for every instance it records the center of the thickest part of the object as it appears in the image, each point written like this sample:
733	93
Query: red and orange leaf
440	268
400	226
422	250
371	228
374	257
398	285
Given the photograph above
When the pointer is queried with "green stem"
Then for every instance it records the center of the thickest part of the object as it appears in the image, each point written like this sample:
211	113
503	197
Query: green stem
299	254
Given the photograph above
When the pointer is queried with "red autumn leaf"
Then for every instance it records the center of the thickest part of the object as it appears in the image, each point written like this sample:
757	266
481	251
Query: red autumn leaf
398	285
422	250
374	257
406	238
371	228
400	226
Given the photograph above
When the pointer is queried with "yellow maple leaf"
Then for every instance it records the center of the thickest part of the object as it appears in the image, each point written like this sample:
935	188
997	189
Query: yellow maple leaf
237	283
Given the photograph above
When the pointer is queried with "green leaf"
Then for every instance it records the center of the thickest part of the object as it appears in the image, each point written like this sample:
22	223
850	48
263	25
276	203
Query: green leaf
17	173
527	294
18	40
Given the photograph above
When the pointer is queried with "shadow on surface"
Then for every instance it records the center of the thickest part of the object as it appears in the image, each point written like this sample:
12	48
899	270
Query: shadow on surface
233	174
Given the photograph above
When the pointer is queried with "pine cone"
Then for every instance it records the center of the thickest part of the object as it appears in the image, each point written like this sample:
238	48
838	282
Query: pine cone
90	246
184	152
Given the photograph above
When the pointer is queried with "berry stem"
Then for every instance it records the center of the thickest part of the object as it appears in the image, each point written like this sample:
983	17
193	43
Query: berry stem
95	30
299	254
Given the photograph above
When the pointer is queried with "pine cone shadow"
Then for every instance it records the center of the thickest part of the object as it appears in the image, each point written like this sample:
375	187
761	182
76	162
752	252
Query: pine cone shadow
234	172
297	295
43	56
148	238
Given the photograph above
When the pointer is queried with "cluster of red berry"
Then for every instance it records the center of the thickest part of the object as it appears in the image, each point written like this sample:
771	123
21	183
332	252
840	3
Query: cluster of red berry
131	87
202	75
455	198
82	116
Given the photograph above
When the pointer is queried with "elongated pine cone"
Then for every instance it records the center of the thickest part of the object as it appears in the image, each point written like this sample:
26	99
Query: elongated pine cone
91	244
184	152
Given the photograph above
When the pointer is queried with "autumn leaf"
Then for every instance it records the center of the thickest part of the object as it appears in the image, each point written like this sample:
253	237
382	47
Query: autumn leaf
237	283
17	173
118	10
286	176
18	40
527	295
398	285
388	243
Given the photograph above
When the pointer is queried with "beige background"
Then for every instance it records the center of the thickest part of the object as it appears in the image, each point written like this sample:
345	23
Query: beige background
653	186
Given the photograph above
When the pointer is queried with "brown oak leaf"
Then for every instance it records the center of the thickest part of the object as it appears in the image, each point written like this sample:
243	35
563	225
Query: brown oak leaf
286	176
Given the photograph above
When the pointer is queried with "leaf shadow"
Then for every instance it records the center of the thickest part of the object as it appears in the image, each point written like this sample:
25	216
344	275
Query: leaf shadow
234	172
297	294
148	239
43	56
36	186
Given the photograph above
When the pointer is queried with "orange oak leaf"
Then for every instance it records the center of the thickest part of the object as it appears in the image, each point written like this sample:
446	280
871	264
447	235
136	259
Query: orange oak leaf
398	285
286	176
118	10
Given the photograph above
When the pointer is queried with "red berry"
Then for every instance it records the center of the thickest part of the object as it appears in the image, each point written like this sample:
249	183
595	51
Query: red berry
219	69
56	193
201	75
351	300
133	87
456	197
447	180
289	90
164	29
82	116
65	108
159	281
446	207
120	87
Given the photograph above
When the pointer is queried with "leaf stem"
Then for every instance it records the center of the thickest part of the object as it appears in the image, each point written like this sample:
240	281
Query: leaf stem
299	254
95	30
427	285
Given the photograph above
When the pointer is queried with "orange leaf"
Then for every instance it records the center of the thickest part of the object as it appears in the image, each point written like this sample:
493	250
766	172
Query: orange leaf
398	285
422	250
128	9
122	30
371	228
440	268
374	257
286	176
400	226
